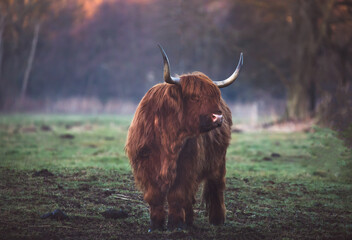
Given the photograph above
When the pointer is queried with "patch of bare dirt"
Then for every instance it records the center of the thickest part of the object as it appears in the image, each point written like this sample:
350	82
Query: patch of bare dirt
29	129
43	173
45	128
255	210
67	136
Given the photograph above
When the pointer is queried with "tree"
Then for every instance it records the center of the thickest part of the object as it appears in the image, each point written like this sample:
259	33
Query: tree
20	19
308	34
298	41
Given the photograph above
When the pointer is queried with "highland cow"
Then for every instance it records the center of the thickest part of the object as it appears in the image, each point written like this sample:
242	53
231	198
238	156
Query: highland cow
177	140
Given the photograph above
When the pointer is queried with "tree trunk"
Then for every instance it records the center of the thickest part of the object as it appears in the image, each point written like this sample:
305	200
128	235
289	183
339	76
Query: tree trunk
301	91
30	62
298	103
2	26
2	84
310	29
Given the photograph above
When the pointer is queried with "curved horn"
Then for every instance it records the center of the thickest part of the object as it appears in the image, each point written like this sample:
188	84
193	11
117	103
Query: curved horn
167	76
232	78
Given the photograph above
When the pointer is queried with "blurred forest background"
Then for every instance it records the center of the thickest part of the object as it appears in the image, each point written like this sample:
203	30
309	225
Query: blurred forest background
102	55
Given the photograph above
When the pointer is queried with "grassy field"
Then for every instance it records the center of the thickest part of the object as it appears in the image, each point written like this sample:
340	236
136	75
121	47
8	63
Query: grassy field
279	185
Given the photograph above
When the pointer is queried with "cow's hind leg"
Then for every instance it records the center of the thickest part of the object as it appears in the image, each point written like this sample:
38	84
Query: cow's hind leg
156	199
213	195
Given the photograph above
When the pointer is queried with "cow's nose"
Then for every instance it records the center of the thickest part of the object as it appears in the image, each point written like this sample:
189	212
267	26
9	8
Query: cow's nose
217	118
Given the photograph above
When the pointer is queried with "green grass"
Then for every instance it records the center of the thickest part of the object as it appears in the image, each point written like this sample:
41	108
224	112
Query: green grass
279	185
97	142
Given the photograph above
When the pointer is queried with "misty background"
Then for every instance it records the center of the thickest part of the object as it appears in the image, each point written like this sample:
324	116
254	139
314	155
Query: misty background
101	56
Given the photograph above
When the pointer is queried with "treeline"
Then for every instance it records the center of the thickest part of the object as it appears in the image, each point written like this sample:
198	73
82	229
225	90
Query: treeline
298	50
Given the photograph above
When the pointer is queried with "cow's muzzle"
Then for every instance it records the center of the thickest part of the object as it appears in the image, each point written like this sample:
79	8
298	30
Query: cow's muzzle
217	119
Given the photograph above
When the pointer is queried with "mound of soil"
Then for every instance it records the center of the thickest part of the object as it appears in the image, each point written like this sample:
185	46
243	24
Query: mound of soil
43	173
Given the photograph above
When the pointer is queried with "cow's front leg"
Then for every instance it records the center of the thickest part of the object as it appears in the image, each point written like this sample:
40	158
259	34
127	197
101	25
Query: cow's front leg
176	201
189	214
180	200
156	199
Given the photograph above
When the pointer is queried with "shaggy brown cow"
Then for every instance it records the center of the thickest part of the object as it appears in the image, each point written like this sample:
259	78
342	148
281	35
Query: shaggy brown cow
178	139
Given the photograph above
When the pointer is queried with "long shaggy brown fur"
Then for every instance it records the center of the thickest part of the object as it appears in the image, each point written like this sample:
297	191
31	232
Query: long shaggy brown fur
173	148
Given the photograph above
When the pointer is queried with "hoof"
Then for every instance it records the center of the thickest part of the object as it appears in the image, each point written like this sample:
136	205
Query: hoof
181	226
151	229
217	222
156	226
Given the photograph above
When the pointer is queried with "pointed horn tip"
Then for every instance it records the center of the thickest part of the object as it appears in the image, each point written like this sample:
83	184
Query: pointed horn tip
163	53
232	78
167	76
161	49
